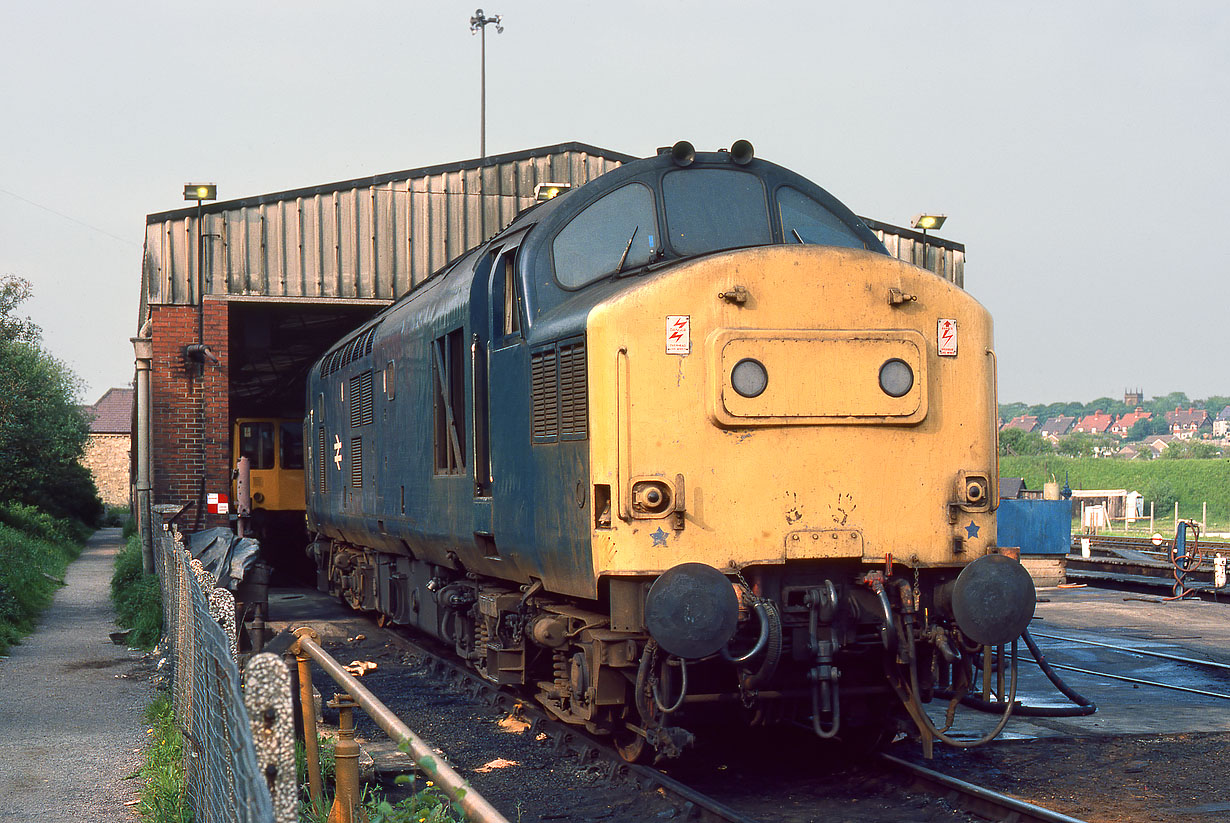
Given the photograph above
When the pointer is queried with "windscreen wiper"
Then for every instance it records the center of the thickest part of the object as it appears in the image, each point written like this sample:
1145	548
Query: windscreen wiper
623	258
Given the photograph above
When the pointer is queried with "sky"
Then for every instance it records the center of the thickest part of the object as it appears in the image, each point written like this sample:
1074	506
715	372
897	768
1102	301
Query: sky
1080	149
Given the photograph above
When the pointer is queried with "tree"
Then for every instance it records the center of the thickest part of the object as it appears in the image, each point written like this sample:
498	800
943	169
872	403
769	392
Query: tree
1144	428
1007	411
1169	402
42	430
1082	444
1017	442
13	292
1190	450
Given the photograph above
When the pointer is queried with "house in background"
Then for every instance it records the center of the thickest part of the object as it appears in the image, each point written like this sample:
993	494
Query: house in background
1024	422
1124	424
1187	424
1157	443
107	452
1097	423
1221	425
1057	427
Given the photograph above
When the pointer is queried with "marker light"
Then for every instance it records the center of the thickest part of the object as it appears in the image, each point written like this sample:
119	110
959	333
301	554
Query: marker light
896	378
749	377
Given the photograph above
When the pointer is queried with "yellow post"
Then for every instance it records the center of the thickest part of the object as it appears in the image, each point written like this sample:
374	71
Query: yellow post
346	762
311	740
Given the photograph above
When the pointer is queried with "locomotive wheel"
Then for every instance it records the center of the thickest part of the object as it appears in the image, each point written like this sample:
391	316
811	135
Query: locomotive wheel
631	746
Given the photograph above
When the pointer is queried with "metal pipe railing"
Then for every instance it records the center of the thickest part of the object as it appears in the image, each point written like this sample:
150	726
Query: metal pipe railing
473	805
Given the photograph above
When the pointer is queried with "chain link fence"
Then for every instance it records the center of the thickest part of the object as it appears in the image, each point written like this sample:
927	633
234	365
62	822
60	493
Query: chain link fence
225	779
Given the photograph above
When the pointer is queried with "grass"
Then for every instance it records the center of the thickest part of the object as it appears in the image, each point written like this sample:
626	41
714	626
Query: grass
162	793
35	550
1162	482
422	805
136	596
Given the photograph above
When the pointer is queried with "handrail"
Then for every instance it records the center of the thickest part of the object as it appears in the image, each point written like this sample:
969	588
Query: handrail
473	805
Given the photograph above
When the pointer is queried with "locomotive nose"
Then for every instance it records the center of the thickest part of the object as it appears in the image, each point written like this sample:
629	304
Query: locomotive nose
691	610
993	599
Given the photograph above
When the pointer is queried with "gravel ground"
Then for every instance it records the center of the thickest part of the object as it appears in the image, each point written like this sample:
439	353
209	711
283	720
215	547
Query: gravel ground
523	777
71	717
1146	756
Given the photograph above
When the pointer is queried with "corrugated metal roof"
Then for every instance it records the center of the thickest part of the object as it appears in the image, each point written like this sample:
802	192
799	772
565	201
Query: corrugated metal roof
944	257
373	238
367	239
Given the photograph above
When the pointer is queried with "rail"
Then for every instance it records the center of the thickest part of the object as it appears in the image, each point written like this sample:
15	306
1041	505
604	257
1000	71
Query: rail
1018	810
472	804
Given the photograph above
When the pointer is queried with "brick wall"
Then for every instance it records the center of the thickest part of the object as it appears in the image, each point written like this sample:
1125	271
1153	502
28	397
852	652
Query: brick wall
107	458
182	398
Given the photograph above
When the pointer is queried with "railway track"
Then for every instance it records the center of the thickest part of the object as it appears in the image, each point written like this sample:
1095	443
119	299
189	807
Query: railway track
1224	694
799	792
1136	562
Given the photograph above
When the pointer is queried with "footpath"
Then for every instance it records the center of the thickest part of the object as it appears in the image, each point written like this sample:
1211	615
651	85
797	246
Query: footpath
72	720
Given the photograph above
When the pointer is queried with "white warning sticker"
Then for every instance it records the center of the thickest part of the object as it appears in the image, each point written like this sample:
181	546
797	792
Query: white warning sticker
678	334
946	338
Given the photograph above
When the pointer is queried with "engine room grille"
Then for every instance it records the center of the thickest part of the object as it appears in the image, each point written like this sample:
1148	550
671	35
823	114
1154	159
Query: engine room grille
361	399
558	391
574	410
544	393
356	462
321	463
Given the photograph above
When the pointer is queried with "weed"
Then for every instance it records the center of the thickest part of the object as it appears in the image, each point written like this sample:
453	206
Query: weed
137	597
162	796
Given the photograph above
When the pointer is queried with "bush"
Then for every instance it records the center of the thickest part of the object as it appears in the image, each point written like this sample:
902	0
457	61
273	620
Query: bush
42	525
137	597
69	492
31	568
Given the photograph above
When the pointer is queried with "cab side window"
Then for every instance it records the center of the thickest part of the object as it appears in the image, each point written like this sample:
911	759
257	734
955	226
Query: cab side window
256	444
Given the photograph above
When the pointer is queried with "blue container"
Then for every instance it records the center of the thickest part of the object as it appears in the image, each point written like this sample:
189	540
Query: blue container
1036	526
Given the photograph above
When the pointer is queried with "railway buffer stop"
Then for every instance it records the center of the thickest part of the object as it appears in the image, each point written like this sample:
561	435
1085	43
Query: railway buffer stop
240	297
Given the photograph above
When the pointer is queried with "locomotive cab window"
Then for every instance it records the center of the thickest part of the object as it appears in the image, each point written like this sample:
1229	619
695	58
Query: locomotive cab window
806	221
614	233
448	376
290	445
507	302
696	226
256	444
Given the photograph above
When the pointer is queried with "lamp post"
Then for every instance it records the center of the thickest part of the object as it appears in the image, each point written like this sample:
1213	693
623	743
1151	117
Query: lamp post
925	222
479	23
200	192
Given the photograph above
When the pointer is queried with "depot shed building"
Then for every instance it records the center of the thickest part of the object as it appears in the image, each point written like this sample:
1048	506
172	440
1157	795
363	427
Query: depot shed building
240	297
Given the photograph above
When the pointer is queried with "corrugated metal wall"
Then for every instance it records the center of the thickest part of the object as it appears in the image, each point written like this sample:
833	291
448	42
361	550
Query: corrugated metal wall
364	239
377	237
944	257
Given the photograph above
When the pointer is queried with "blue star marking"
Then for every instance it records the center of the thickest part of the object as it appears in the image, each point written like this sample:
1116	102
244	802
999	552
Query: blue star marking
659	537
971	530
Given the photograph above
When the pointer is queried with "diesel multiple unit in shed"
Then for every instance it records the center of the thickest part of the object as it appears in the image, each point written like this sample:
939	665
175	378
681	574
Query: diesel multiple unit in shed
682	440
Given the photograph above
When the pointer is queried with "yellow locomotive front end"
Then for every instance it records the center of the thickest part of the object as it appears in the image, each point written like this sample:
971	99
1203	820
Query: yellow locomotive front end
793	403
813	428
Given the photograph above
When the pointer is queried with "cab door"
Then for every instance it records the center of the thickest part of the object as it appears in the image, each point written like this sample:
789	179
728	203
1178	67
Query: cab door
496	323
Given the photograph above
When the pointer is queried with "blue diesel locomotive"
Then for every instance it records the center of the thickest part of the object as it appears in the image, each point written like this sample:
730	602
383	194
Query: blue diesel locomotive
683	441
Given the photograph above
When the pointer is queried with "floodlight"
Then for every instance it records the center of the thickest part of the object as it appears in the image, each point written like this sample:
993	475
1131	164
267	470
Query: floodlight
200	191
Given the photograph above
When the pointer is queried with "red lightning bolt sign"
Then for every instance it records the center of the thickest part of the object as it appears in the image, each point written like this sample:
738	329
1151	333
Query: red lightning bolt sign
946	338
679	334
